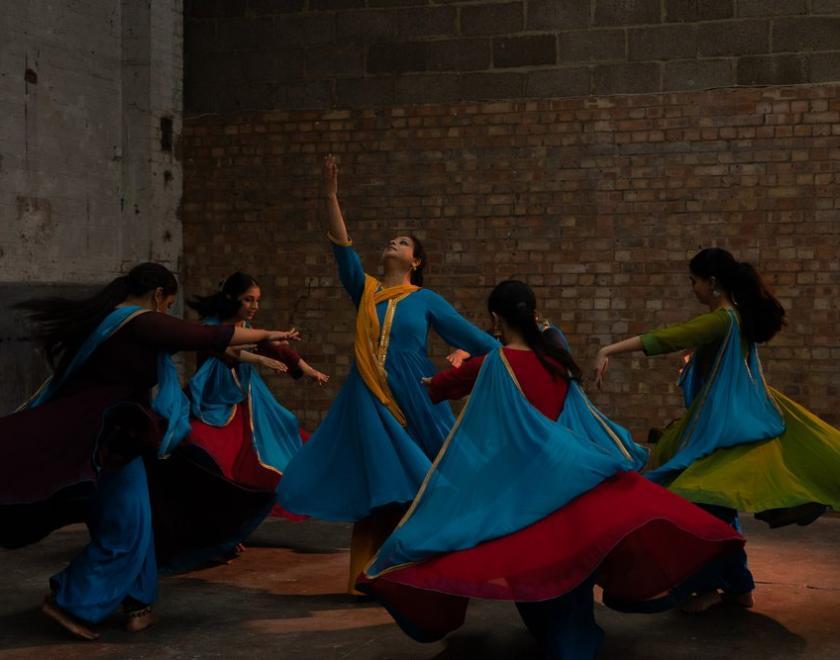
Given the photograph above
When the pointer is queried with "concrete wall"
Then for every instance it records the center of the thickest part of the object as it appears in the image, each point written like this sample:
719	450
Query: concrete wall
88	186
296	54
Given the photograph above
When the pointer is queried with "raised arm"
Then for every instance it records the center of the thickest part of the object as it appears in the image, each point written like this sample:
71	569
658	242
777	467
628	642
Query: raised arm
456	331
350	270
337	228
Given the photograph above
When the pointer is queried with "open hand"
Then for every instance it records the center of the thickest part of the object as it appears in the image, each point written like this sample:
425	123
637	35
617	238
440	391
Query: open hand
330	175
285	336
602	361
456	358
317	376
275	365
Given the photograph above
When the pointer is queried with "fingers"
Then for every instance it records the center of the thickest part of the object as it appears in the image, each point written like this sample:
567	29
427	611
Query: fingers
600	374
277	366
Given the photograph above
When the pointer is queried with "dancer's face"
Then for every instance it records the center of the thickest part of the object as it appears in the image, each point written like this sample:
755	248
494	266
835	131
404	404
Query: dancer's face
401	250
250	304
702	288
161	301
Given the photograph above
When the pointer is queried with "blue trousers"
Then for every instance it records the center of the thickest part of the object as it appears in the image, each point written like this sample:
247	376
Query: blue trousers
565	626
119	562
729	573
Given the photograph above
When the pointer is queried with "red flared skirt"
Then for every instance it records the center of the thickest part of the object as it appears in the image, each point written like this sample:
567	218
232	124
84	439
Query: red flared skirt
232	450
638	539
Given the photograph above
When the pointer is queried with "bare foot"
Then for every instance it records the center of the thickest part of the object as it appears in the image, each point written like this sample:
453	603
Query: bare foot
140	620
701	602
743	600
67	621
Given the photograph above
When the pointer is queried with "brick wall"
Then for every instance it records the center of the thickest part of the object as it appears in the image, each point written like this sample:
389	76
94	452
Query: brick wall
270	54
598	202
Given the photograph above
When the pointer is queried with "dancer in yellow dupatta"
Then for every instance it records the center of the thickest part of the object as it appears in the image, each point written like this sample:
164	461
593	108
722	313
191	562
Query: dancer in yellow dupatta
369	456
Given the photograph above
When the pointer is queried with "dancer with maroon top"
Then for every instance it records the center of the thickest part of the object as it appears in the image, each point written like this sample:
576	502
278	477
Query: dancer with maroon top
75	449
518	507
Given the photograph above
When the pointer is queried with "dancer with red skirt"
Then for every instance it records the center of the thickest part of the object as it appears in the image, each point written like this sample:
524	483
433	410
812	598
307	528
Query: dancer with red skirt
75	451
520	507
241	438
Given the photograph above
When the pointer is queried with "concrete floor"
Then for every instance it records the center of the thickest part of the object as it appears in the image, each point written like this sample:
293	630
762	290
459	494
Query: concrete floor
283	599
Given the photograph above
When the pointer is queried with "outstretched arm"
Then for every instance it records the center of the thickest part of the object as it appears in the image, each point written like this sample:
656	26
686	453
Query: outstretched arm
602	360
456	331
453	383
173	334
253	336
311	372
704	329
263	361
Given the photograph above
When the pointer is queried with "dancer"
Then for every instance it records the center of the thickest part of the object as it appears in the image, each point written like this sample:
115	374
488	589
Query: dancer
92	422
742	446
519	507
241	439
370	454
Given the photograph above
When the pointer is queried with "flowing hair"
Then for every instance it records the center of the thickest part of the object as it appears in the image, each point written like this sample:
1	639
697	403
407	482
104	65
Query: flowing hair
762	315
516	303
62	324
225	303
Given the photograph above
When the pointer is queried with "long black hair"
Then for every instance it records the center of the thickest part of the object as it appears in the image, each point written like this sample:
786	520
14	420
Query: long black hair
419	253
62	324
225	303
762	315
516	303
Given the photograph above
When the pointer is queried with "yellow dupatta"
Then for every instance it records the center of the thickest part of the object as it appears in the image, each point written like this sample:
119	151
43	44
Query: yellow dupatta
372	343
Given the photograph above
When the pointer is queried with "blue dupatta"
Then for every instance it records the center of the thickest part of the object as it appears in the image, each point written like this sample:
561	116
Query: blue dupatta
582	417
169	401
731	406
503	467
216	389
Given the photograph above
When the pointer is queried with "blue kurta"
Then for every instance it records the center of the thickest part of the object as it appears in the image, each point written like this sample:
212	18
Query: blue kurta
361	458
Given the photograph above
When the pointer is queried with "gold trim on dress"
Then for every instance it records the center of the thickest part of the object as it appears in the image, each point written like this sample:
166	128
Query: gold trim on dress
233	411
430	473
613	436
271	468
